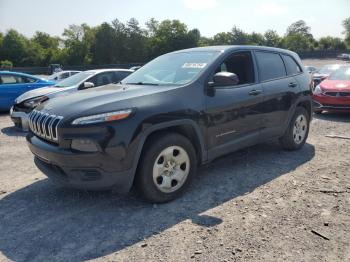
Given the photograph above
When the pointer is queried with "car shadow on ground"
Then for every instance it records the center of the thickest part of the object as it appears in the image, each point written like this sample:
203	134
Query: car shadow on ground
13	131
45	222
334	116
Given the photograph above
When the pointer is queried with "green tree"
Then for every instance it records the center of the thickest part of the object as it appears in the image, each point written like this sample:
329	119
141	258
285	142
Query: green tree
104	45
78	41
152	27
14	47
171	35
272	38
238	37
136	41
6	64
298	37
45	40
1	40
49	46
222	38
299	27
334	43
346	24
256	39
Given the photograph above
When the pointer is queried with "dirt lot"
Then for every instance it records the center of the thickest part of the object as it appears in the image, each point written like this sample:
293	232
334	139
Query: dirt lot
321	62
258	204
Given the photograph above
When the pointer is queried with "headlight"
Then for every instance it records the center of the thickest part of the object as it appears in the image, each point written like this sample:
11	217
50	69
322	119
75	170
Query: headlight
318	90
105	117
34	102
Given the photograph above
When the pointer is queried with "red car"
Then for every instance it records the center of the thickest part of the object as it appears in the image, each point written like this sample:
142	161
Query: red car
333	94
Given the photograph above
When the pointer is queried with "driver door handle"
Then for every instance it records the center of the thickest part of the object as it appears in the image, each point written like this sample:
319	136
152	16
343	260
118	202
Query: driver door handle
292	84
255	92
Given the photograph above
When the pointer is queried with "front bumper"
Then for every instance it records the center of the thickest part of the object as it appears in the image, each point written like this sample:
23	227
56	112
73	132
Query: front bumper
323	102
79	170
20	119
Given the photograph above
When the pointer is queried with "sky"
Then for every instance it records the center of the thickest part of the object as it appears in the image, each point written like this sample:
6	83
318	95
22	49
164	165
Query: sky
209	16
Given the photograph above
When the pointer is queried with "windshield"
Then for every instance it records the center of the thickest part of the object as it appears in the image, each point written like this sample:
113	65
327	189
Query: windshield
172	69
342	74
328	69
74	80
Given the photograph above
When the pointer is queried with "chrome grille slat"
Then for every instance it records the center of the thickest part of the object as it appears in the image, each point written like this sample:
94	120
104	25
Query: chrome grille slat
44	125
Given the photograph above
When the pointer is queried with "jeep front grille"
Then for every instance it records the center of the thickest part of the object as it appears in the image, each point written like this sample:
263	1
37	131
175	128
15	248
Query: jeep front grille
44	125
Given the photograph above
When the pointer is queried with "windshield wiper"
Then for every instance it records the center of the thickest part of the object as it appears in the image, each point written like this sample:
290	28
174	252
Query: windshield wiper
143	84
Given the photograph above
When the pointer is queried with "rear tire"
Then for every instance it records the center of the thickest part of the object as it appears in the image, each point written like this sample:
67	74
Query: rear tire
297	131
168	164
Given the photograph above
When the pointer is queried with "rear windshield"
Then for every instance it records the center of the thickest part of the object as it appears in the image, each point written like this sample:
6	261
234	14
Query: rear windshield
172	69
342	74
74	80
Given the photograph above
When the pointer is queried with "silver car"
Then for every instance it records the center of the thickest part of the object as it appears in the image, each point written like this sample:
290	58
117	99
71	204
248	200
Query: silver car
25	103
59	76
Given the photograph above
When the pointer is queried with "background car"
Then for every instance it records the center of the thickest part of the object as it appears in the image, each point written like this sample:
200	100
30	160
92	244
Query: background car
135	68
83	80
345	57
323	73
310	69
54	68
62	75
14	84
334	92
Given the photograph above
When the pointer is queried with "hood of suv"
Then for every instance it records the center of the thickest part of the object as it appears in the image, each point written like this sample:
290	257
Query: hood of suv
97	100
38	92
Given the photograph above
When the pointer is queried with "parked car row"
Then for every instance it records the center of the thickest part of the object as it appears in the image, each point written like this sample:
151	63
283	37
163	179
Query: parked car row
13	84
26	102
331	87
333	93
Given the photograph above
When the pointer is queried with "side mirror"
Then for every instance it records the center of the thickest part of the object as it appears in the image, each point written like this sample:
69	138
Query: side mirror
86	85
225	79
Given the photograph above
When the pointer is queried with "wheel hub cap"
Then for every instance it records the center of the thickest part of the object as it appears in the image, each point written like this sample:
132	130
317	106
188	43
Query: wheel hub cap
299	129
171	169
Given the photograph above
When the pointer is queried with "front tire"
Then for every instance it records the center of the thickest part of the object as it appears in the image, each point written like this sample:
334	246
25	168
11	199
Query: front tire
167	166
297	131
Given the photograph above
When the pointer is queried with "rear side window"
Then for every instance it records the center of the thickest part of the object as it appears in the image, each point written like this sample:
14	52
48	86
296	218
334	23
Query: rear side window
119	76
270	65
9	79
28	79
101	79
291	66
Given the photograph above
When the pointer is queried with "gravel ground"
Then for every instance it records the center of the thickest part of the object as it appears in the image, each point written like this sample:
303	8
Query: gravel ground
258	204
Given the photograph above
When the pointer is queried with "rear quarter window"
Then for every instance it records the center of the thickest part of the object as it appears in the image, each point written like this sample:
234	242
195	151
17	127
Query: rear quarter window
270	65
292	67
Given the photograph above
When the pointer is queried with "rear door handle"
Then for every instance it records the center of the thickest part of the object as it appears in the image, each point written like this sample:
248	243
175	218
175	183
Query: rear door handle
292	84
255	92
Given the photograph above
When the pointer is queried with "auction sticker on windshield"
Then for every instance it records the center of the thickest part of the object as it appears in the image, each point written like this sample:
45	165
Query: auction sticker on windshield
194	65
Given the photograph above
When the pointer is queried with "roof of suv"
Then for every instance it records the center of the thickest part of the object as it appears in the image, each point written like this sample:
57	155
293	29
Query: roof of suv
225	48
95	71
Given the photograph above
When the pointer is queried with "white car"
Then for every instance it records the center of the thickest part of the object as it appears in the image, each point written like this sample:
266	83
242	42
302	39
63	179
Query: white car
25	103
62	75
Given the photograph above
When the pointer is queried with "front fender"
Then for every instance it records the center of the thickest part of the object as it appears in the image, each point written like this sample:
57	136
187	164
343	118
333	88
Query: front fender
143	135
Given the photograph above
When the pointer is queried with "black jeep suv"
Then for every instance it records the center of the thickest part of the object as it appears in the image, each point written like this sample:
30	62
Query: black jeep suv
178	111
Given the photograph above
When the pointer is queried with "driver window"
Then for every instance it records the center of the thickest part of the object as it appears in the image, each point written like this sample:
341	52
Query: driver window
241	64
102	79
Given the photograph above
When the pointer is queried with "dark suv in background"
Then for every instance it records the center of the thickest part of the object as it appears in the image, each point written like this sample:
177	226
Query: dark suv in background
182	109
